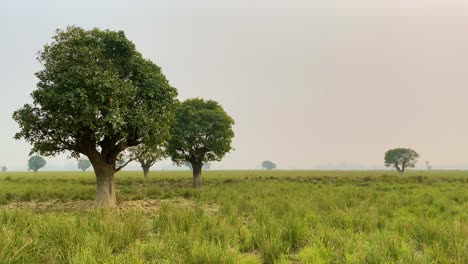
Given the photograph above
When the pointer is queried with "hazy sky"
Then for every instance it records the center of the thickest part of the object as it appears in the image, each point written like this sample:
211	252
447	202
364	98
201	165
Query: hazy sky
309	83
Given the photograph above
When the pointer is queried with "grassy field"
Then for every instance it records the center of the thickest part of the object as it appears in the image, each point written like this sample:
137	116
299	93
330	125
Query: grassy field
237	217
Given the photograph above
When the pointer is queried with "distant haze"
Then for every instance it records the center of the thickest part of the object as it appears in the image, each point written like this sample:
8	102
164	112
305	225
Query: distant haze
310	84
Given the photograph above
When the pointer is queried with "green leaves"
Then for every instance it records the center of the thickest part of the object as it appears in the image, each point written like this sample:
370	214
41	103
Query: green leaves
84	164
268	165
96	92
401	158
36	162
202	132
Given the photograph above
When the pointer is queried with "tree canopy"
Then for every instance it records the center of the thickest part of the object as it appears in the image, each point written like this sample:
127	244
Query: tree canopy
36	162
96	96
268	165
201	132
401	158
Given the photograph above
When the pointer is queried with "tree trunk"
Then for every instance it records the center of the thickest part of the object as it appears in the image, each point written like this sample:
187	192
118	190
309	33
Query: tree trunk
105	194
145	170
197	179
400	171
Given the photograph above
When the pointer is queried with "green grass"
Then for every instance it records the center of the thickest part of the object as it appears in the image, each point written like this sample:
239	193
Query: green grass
240	217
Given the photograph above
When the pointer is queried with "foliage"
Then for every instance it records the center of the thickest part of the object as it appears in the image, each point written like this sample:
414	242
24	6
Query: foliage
96	95
202	132
4	168
147	155
239	217
268	165
401	158
84	164
36	162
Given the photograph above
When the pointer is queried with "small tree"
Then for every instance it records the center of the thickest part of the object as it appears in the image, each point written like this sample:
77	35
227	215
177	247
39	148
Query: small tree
147	156
36	162
84	164
96	96
202	132
401	158
4	168
268	165
428	165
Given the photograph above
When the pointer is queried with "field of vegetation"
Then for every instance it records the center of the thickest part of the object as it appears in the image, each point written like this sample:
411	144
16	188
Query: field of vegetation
237	217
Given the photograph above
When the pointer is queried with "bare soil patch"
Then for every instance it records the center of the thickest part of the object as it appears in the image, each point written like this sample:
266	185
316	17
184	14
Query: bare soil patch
146	205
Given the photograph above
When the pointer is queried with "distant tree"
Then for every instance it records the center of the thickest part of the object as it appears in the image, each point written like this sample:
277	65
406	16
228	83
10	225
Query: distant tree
206	166
268	165
84	164
401	158
96	96
202	132
4	168
120	162
36	162
428	165
147	156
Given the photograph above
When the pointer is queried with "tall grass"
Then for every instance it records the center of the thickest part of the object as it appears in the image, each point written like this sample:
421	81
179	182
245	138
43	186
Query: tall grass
241	217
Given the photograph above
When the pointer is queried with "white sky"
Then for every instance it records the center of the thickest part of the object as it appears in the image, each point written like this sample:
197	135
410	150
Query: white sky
310	84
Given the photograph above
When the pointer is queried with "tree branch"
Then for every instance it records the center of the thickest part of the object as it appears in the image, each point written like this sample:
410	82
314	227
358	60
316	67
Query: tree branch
135	157
125	164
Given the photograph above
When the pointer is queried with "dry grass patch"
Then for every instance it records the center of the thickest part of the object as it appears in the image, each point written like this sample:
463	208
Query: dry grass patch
145	205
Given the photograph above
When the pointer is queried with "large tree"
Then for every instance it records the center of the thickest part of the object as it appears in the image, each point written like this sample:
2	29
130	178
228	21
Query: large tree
202	132
36	162
401	158
4	168
96	96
